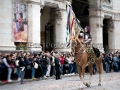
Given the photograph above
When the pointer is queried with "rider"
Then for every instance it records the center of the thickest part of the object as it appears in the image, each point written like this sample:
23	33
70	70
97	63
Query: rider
85	36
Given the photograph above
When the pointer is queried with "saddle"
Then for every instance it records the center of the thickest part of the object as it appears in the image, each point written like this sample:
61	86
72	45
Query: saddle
96	51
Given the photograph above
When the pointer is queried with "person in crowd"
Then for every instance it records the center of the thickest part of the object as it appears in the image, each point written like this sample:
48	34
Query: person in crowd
18	58
115	63
22	65
28	66
66	66
110	61
8	65
57	66
119	61
52	61
107	69
39	71
44	65
48	65
62	62
33	62
1	65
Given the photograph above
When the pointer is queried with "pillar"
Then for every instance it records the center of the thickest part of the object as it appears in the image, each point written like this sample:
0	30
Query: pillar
114	34
96	27
6	36
60	31
34	37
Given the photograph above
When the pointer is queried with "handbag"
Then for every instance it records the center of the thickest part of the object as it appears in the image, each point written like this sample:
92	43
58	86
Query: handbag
17	62
15	71
35	65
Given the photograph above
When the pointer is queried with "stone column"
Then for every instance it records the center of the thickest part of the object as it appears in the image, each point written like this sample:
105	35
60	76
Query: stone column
6	36
34	37
60	31
96	23
96	31
114	34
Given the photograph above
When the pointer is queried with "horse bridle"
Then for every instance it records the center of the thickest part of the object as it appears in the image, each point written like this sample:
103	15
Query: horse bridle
82	46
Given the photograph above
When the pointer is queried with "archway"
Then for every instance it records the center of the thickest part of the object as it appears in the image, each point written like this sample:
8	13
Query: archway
47	28
80	8
107	25
105	34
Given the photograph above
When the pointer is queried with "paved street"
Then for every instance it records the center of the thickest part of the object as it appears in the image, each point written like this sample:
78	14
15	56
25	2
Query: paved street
110	81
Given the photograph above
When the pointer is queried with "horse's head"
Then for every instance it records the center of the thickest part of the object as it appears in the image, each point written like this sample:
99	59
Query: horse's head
75	44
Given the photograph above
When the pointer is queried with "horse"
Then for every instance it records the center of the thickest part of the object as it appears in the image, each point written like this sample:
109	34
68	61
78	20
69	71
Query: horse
81	59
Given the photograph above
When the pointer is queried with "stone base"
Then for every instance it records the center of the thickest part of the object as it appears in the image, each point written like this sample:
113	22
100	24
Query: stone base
34	49
114	50
7	48
62	49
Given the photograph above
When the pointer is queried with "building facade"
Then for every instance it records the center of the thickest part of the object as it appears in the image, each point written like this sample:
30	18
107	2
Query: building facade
47	20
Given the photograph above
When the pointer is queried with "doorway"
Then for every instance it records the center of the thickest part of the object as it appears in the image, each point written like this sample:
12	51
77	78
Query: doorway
49	36
47	28
106	34
81	10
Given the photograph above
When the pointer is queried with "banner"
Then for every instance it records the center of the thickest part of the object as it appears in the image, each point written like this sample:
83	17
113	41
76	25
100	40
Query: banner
20	23
73	24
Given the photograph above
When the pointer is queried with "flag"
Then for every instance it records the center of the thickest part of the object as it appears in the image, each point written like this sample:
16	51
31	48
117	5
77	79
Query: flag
73	26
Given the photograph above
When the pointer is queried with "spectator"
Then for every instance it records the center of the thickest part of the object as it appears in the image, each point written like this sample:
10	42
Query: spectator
107	66
52	60
44	65
115	63
57	67
22	65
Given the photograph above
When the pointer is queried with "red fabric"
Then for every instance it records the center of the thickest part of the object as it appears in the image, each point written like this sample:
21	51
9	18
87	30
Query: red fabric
20	19
62	59
12	66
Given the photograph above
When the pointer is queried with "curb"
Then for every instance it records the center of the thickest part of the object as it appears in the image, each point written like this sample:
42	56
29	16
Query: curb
40	79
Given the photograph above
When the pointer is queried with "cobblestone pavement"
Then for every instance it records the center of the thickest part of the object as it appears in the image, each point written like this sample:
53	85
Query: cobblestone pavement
110	81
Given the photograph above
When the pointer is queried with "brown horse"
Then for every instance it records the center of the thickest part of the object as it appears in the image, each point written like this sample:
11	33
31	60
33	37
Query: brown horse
81	59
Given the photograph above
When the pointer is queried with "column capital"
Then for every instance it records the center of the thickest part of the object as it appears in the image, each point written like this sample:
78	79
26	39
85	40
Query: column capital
62	6
39	2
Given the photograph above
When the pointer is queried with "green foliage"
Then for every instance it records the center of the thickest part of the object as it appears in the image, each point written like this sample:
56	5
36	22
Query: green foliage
21	47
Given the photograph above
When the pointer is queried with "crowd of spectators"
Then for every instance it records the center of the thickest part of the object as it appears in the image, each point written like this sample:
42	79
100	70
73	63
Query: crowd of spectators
111	62
47	64
36	65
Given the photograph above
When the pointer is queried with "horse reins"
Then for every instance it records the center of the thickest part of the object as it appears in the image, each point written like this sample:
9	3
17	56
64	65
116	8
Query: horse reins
79	51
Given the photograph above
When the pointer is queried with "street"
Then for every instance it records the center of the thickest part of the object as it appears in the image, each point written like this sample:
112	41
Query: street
110	81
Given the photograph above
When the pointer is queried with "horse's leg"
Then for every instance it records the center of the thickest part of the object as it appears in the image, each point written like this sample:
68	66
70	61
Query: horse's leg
99	65
79	72
82	76
90	71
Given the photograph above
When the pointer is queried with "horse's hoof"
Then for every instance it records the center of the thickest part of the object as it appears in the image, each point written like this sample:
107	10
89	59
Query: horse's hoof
88	85
81	89
99	84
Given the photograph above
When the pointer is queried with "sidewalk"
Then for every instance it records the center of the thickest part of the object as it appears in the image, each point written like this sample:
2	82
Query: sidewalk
30	80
